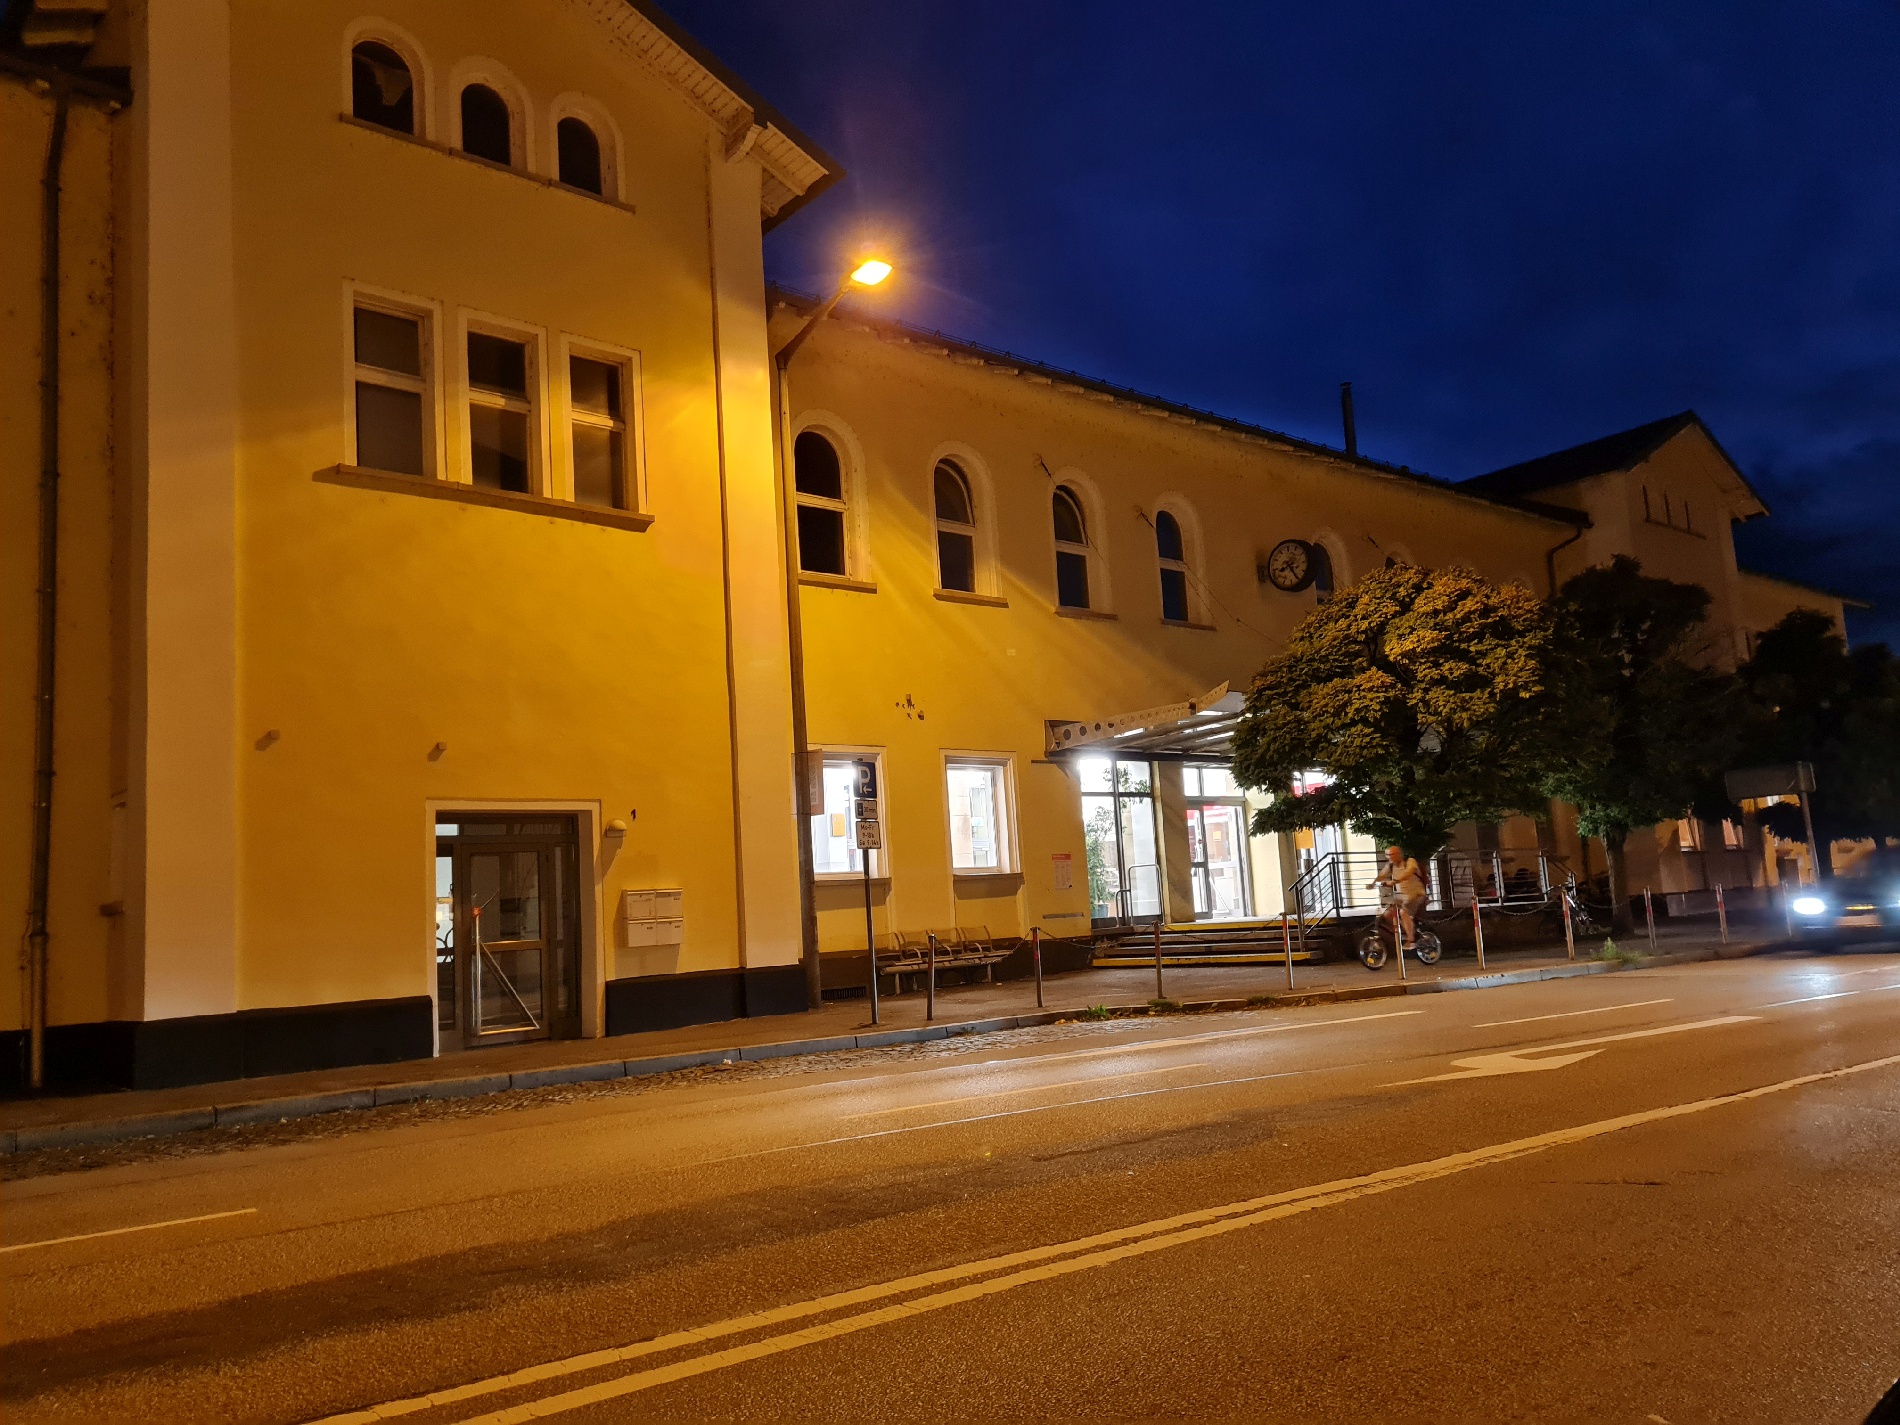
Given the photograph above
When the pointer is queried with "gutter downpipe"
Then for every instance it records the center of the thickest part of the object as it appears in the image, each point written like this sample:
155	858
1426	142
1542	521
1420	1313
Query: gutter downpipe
47	664
1550	556
795	642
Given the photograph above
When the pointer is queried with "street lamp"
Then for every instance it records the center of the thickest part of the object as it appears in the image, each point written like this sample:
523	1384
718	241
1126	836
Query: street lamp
868	273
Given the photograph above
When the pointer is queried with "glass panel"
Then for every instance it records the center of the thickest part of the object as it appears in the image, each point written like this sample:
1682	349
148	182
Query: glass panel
1133	776
497	364
485	124
594	386
1068	517
820	540
1226	880
498	448
1140	864
1219	782
381	89
1168	537
1191	781
1072	580
953	497
512	992
977	813
1200	890
388	429
388	341
1174	599
505	899
445	941
578	154
1092	772
1104	857
597	466
956	560
1197	851
815	469
833	843
561	931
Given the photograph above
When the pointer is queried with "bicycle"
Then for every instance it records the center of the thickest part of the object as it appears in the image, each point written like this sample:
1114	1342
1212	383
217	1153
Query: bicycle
1372	945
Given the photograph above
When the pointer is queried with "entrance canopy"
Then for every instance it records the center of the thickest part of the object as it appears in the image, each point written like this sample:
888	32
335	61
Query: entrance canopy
1199	729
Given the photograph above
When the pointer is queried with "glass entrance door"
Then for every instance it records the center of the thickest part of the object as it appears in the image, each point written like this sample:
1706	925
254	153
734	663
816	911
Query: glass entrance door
1118	826
507	936
1217	842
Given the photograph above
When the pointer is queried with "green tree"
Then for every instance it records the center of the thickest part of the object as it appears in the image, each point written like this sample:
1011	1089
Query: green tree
1426	695
1662	724
1815	701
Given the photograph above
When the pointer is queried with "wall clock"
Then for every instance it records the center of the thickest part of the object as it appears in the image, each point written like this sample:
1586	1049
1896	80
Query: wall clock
1291	566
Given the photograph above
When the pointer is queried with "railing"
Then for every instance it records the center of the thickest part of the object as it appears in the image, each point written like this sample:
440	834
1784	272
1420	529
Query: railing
1334	886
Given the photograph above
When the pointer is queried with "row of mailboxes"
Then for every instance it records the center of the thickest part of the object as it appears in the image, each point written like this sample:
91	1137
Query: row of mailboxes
652	918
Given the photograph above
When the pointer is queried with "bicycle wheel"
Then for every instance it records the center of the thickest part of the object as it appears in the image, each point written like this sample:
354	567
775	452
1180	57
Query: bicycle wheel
1372	950
1427	948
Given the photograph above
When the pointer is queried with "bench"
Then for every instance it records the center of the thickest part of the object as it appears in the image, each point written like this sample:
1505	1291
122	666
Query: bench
963	948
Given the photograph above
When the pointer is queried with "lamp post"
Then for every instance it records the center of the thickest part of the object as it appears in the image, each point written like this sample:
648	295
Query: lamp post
866	274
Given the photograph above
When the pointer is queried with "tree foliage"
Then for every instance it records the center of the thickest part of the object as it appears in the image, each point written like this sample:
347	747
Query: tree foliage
1426	695
1812	700
1663	724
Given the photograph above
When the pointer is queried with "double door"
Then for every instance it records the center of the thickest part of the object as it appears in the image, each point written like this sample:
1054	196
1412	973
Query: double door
507	931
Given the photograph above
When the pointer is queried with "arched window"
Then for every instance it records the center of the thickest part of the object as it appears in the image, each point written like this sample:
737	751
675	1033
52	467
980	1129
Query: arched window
1072	550
818	478
577	154
382	90
1172	551
487	125
956	528
1322	569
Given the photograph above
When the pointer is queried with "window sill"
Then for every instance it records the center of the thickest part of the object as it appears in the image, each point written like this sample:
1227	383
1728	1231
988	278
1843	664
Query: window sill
986	877
848	878
454	491
960	596
535	178
1189	623
1063	611
837	581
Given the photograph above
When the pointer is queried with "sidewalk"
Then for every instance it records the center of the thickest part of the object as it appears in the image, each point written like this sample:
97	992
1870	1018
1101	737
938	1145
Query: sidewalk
974	1009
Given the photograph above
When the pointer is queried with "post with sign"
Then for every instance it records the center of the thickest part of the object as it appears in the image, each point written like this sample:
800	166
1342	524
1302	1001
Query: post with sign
868	833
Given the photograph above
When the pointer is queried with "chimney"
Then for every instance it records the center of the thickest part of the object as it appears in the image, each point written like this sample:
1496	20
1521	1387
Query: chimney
1345	411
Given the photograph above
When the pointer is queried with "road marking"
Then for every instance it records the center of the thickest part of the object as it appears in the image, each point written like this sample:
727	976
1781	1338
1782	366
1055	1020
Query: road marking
1571	1013
1020	1268
121	1231
1028	1088
1837	994
1482	1066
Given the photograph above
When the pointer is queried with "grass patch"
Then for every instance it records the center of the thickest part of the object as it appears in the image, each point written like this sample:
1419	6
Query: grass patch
1097	1011
1615	954
1164	1006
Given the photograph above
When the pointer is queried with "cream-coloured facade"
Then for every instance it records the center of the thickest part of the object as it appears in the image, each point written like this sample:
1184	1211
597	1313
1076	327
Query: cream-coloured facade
423	676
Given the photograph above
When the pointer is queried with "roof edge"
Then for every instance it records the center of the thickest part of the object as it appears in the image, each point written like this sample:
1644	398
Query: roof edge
1846	599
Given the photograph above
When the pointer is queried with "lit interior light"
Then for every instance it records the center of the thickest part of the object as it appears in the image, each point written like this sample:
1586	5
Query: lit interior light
1809	905
872	272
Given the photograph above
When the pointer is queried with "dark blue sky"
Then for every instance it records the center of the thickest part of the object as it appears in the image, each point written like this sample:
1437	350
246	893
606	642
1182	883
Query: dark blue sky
1513	227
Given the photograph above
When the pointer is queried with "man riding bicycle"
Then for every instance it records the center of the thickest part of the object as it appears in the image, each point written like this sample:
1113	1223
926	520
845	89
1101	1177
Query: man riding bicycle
1408	890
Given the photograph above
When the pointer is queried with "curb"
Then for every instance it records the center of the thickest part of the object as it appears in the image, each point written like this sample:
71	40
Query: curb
277	1110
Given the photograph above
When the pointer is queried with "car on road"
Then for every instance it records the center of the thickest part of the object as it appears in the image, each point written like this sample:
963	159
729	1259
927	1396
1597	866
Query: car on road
1862	901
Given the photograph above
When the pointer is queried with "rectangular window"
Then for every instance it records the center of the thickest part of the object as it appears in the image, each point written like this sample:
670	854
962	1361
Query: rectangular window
597	407
501	411
834	844
1174	595
979	816
1072	580
391	392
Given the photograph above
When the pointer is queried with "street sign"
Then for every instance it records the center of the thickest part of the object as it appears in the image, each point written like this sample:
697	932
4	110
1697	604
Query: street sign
870	836
1790	779
866	788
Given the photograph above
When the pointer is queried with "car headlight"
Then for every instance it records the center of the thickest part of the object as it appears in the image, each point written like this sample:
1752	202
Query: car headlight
1808	905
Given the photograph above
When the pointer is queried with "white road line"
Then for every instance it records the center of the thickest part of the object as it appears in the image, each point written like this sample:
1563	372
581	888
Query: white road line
121	1231
1028	1088
1571	1013
1809	999
1036	1264
1515	1061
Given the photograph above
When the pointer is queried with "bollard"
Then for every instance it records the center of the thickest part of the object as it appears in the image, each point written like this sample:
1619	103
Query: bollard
930	982
1477	926
1159	992
1570	931
1035	954
870	934
1649	919
1286	938
1398	941
1721	912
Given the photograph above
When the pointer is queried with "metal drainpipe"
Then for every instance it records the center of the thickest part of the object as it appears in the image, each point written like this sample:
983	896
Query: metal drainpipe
1550	557
47	665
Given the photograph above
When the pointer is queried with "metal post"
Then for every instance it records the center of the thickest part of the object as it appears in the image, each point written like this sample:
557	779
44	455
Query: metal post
1286	939
1721	912
1398	940
930	980
1477	927
1160	993
1814	851
870	934
1035	954
1649	919
1497	876
1570	931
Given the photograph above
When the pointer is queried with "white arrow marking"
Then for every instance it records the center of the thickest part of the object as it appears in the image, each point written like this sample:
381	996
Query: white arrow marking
1483	1066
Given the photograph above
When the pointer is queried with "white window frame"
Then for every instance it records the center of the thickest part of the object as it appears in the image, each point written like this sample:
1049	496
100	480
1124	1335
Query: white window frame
880	858
632	416
399	304
1085	550
596	116
853	507
536	340
941	526
479	69
421	79
1008	847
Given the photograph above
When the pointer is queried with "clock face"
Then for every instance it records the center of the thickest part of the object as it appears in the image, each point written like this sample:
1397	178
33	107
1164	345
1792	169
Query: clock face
1290	566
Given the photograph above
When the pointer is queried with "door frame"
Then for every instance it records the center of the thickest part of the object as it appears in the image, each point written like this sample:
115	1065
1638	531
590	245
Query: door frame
589	863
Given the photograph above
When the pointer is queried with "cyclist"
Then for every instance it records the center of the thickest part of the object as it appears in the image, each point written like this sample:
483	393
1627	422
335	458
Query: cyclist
1408	888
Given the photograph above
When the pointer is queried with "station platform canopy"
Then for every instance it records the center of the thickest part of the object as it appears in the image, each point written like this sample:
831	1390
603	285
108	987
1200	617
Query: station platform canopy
1195	729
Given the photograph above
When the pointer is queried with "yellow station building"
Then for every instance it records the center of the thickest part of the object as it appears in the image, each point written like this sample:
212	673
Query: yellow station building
422	670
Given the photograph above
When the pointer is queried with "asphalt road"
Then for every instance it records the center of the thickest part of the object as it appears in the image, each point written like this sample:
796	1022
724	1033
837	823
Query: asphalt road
1672	1195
